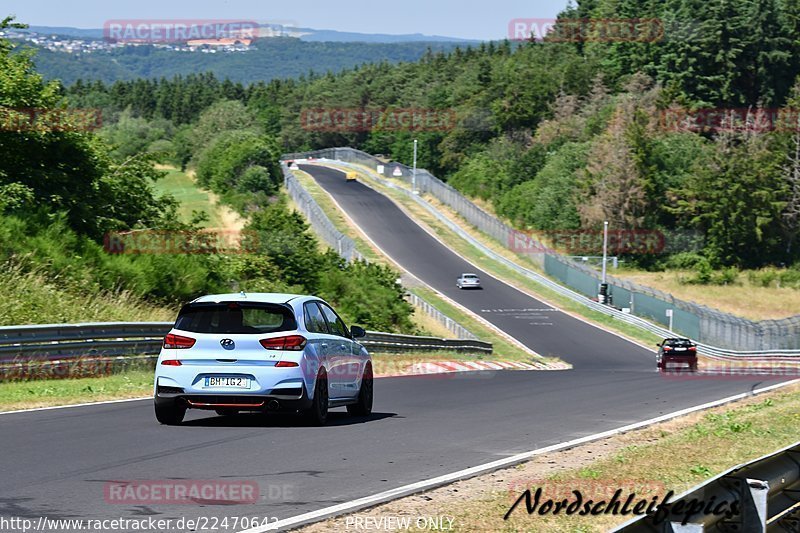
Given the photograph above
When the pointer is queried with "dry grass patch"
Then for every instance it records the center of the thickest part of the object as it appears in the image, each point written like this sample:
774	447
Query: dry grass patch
743	299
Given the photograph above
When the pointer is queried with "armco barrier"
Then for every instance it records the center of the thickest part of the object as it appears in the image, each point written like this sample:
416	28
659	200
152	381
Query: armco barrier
705	325
65	341
765	490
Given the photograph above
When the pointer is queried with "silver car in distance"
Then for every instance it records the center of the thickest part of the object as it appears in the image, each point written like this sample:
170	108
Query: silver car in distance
468	281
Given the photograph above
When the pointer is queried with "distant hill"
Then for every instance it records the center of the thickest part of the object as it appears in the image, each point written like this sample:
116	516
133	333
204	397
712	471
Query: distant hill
308	34
283	57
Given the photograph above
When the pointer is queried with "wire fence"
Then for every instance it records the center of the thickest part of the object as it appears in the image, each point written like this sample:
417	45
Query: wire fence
704	324
346	248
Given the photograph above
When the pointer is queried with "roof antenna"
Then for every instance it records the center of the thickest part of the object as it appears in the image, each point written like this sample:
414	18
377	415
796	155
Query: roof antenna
243	294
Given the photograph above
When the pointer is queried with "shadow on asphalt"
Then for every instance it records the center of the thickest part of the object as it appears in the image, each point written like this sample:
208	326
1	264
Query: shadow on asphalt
280	420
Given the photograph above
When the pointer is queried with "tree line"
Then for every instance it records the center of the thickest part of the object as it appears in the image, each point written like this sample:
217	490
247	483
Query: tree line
64	188
694	132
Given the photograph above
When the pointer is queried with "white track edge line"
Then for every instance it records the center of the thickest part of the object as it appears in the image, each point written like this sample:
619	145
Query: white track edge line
87	404
420	486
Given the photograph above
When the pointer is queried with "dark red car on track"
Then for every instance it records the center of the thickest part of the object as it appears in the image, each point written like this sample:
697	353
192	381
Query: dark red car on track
676	353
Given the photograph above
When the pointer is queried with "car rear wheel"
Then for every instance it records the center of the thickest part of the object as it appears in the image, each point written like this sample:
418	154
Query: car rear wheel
169	412
364	405
317	414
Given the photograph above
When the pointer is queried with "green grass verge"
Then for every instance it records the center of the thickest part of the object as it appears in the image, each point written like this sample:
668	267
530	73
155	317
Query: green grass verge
503	349
191	197
52	392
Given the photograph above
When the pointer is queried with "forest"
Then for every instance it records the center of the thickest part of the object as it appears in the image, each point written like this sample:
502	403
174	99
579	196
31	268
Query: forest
66	186
695	131
274	58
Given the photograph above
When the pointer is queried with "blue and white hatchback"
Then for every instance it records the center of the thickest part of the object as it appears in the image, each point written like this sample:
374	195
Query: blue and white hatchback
262	352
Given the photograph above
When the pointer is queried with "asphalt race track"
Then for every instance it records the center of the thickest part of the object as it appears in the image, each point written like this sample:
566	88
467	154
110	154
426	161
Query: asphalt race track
537	325
56	463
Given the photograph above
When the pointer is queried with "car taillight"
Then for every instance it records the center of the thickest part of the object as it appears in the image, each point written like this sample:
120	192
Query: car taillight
171	362
286	364
294	343
176	342
667	348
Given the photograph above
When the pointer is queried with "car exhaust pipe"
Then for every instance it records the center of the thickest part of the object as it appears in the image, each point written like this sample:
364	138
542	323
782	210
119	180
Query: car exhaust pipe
273	405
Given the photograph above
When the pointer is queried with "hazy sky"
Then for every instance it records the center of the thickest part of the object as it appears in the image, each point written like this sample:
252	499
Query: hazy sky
453	18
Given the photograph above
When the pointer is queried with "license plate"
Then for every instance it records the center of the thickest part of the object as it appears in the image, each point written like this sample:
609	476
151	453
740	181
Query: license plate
226	383
680	349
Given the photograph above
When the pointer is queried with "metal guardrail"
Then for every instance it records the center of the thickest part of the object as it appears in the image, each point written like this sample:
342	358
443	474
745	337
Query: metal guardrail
320	223
704	349
53	341
767	491
390	342
64	341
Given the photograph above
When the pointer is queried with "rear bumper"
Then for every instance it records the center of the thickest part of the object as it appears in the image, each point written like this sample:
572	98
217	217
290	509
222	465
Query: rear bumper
283	400
263	378
677	360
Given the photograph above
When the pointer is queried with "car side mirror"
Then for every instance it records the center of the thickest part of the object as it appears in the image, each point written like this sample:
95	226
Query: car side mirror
358	332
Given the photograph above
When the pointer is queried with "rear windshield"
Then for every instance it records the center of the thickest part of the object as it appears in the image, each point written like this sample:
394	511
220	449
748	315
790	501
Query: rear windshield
470	276
235	318
679	342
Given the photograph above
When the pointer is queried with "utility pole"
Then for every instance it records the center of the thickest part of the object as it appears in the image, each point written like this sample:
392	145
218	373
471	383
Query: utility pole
603	298
414	175
605	250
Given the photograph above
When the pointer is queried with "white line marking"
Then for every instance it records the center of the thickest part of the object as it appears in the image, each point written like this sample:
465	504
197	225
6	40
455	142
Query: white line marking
420	486
501	280
75	405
